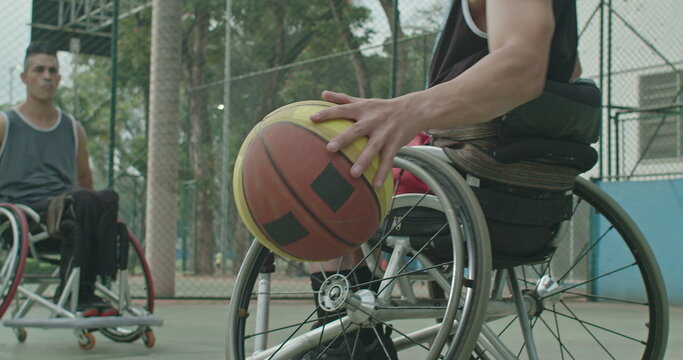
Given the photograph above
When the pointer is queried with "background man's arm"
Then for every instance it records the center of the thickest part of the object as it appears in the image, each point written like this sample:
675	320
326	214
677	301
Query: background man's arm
3	128
83	160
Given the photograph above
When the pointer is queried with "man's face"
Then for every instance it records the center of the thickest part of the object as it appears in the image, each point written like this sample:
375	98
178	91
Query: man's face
41	76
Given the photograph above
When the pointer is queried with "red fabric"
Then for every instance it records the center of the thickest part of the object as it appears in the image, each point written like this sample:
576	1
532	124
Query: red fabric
407	182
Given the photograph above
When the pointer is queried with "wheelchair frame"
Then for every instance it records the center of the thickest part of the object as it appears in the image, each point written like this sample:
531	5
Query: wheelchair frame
134	319
472	300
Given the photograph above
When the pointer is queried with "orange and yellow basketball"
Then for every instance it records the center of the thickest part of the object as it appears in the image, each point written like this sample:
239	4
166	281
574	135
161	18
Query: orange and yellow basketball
298	198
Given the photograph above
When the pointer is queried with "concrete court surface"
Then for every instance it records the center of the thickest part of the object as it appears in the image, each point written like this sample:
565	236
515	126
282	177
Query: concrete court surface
191	330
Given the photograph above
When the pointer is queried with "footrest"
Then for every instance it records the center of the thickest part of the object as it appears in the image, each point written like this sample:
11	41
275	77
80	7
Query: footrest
86	323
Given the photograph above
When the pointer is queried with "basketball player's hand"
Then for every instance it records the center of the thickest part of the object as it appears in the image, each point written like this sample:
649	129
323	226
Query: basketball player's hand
386	123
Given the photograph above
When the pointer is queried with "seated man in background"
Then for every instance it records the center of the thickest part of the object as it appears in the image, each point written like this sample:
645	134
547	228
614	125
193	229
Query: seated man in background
44	154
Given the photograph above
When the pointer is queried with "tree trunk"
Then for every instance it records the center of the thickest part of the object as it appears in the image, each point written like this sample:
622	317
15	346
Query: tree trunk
242	239
364	88
401	61
201	149
162	166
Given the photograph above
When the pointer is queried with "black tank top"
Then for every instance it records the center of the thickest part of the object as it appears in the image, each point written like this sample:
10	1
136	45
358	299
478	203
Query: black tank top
459	47
469	146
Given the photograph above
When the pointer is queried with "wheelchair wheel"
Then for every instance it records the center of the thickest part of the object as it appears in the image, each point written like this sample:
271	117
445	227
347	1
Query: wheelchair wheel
139	291
452	252
600	296
13	252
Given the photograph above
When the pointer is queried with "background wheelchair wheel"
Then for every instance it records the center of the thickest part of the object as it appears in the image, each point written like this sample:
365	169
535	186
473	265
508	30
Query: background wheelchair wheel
269	284
13	252
142	297
603	295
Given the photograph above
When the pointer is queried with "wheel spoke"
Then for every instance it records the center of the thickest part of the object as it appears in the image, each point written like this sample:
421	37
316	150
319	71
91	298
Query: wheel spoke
593	279
508	325
396	330
547	268
561	344
588	323
597	297
586	252
274	330
298	327
387	233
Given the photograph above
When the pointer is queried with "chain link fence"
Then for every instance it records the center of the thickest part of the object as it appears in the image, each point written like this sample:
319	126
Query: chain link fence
277	52
642	85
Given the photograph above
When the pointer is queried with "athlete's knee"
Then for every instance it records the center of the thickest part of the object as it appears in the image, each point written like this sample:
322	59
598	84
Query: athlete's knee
108	197
83	198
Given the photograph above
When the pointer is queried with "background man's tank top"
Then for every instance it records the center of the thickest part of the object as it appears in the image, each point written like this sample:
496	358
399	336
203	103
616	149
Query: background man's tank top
37	163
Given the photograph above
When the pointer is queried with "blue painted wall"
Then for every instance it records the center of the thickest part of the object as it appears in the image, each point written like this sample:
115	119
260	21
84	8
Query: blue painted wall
657	208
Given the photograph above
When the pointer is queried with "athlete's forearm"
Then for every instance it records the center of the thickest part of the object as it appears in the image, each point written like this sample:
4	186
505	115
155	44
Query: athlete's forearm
506	78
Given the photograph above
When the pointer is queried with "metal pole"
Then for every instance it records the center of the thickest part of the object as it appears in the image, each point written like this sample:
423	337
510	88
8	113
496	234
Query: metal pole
602	83
224	228
114	76
609	87
394	50
522	315
75	49
618	149
182	230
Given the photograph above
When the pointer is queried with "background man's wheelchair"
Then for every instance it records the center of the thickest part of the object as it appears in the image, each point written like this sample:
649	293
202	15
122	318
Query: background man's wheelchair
29	276
441	297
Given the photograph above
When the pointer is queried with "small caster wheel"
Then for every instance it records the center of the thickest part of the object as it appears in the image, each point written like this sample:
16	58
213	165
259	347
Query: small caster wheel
86	340
21	334
148	338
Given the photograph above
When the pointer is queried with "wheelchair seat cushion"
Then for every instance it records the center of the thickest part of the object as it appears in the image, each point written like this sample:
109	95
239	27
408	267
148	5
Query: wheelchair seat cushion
521	224
564	111
580	156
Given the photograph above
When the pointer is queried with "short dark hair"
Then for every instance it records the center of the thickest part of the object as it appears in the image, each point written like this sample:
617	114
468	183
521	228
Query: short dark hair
40	47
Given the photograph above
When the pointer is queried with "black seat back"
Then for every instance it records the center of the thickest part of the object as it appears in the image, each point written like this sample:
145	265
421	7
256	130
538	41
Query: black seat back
558	126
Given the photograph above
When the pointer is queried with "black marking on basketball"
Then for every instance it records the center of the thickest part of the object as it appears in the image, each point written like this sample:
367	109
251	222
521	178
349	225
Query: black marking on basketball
299	200
323	106
285	230
332	188
378	206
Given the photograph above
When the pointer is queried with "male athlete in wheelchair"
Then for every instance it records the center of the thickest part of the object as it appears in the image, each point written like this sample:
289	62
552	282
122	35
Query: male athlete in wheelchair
496	227
50	207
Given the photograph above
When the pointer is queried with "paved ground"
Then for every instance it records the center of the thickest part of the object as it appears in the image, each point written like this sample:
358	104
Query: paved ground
192	330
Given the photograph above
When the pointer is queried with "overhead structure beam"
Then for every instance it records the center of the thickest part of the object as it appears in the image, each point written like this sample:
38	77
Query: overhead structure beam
95	15
91	21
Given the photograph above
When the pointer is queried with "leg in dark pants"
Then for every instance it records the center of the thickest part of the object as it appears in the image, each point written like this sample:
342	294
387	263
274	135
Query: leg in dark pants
95	217
96	213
